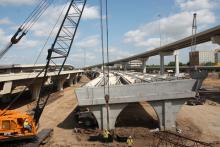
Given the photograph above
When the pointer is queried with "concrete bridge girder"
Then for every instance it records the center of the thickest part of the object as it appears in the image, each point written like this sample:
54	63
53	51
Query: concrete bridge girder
166	98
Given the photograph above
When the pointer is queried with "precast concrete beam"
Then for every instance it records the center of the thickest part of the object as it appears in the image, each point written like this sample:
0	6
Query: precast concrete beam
137	92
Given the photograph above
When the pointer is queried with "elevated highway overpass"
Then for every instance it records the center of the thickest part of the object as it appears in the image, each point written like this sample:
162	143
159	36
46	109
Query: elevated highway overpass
25	75
212	34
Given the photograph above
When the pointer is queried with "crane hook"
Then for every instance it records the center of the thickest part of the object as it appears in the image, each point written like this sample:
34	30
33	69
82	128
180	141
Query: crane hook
15	39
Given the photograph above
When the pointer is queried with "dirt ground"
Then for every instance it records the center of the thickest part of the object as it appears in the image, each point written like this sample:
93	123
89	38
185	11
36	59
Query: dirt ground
200	122
211	83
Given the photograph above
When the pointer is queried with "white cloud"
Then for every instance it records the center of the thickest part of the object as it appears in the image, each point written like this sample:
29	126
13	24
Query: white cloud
27	44
89	42
193	5
117	53
17	2
44	25
3	37
91	12
5	21
172	28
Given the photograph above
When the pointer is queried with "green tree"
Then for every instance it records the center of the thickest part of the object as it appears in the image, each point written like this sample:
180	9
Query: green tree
209	64
172	63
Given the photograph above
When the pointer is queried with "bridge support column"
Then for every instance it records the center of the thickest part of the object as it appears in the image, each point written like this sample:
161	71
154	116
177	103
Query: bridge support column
100	112
60	83
162	69
75	78
35	90
70	80
144	61
176	54
6	88
167	111
125	66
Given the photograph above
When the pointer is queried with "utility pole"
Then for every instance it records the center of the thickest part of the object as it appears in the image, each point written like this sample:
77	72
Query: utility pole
84	57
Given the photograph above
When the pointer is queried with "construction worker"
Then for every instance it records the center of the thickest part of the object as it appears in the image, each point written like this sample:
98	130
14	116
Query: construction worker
130	141
106	134
27	125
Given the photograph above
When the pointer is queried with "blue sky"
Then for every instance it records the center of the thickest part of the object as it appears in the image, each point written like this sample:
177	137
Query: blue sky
133	28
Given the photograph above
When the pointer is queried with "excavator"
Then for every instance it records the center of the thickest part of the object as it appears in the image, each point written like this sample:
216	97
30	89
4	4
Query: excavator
12	121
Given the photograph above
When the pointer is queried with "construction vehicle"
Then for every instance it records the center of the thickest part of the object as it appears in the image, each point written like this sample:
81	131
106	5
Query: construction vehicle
11	122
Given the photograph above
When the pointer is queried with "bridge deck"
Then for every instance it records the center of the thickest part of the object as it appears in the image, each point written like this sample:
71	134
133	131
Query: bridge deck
20	76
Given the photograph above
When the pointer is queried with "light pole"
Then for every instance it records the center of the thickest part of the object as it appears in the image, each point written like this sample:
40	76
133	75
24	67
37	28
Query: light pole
159	16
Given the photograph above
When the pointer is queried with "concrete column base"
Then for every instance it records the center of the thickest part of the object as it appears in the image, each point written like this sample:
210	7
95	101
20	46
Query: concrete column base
76	79
70	80
60	83
167	111
100	112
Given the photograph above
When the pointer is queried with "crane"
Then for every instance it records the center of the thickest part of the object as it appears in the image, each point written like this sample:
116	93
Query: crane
11	121
27	24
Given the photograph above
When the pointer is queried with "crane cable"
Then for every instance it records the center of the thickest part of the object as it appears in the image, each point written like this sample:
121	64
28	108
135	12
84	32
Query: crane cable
106	96
102	43
31	20
107	41
27	24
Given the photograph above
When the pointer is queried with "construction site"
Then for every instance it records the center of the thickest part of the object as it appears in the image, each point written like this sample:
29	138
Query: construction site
122	102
